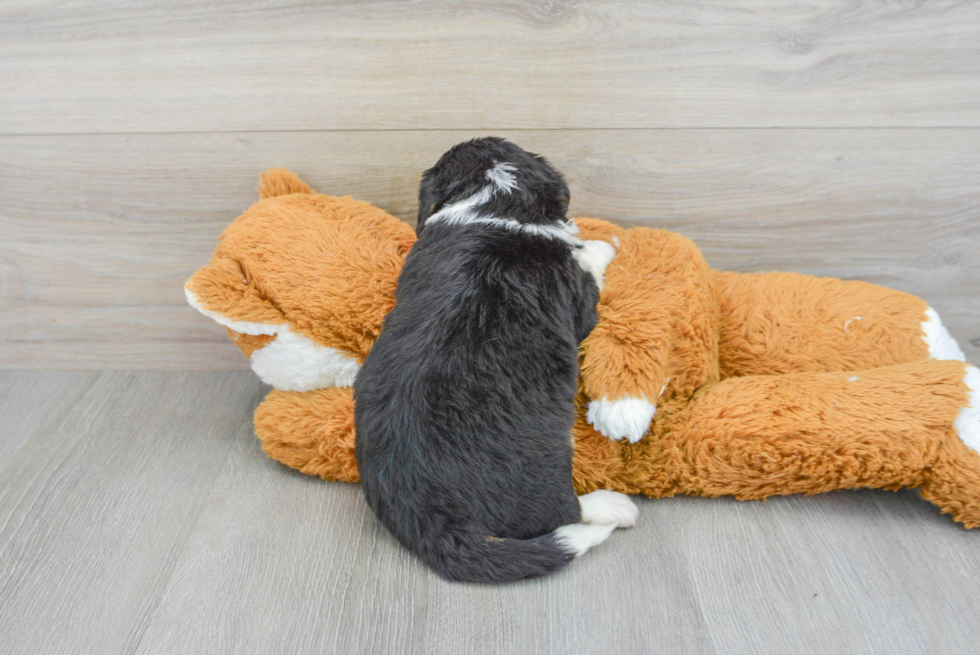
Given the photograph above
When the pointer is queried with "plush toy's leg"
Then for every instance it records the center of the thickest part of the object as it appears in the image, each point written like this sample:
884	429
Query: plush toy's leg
910	425
776	323
310	431
645	351
954	481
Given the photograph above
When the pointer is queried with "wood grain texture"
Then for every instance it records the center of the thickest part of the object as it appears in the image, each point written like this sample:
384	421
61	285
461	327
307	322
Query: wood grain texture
96	507
76	67
315	572
28	400
143	517
768	572
100	232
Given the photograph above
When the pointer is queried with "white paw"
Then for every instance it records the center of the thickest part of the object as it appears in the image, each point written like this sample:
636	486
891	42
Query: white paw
627	418
604	507
594	257
941	344
578	538
967	424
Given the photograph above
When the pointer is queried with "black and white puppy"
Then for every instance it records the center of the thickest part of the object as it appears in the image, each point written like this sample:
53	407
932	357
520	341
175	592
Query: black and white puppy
465	404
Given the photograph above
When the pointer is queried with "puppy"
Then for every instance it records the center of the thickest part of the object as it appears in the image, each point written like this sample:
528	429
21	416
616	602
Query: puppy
465	404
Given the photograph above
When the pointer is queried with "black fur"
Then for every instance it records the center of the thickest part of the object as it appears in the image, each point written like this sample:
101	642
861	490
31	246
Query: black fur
465	404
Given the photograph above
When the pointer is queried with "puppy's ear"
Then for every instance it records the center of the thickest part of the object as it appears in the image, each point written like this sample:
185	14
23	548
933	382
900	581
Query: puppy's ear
427	200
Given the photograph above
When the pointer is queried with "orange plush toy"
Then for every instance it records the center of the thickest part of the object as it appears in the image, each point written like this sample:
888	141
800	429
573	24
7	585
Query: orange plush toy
694	381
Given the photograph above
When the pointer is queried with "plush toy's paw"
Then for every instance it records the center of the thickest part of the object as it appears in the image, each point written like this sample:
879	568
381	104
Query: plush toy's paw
627	418
941	343
594	257
968	422
605	507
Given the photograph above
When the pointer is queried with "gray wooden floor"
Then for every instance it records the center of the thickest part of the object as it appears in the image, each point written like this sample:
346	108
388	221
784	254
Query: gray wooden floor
138	514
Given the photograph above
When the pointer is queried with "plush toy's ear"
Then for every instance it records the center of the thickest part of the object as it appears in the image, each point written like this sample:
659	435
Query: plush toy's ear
594	229
279	182
221	292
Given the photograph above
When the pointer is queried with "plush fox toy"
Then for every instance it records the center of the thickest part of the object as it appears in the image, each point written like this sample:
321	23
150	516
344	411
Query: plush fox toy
695	381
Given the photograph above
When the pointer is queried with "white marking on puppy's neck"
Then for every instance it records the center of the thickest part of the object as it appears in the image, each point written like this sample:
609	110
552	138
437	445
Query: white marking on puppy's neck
560	232
502	176
464	212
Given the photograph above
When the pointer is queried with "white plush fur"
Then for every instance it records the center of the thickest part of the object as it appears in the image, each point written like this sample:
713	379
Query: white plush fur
941	344
594	257
627	418
578	538
290	362
967	424
244	327
604	507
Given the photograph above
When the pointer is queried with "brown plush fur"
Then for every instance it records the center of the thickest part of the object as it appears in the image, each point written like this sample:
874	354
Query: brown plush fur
773	384
325	266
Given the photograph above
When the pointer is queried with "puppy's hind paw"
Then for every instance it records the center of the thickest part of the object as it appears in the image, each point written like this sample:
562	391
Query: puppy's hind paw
604	507
627	418
577	538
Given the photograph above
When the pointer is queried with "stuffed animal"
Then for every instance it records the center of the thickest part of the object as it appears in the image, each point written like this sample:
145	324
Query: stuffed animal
694	381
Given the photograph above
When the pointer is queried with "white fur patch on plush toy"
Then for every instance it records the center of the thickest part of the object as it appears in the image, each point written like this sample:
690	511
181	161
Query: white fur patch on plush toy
290	362
941	344
627	418
594	257
967	424
244	327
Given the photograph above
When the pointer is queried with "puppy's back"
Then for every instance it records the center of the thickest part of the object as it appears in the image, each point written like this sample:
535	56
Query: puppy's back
465	403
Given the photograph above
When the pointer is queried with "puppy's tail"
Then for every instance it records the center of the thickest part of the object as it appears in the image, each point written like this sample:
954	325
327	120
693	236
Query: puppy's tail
471	557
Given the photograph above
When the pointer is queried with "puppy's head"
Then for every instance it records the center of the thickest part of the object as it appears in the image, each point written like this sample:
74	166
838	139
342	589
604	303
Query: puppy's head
493	177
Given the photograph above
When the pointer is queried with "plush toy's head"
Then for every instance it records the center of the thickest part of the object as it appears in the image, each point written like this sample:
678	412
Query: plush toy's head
303	282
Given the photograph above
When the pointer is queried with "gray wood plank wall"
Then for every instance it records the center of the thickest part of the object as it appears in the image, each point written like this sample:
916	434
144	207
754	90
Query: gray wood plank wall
831	138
